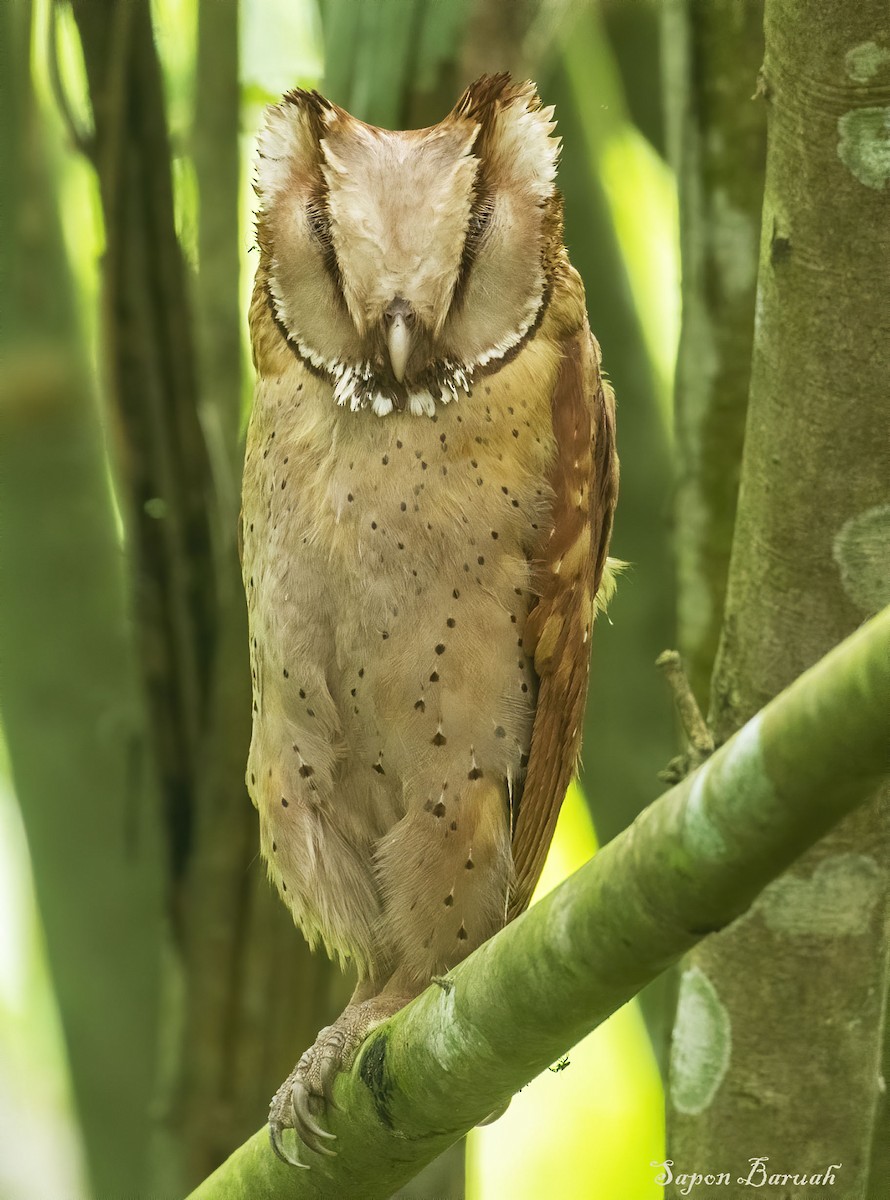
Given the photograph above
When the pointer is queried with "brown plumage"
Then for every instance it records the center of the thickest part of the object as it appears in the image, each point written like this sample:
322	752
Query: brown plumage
428	494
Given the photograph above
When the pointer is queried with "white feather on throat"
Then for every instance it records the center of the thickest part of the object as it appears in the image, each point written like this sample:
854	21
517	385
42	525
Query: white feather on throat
352	385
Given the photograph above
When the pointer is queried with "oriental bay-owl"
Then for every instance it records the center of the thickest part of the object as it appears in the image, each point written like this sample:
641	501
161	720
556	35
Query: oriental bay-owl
428	494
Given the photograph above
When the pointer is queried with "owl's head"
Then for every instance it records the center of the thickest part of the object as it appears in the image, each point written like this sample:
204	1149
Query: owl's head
401	264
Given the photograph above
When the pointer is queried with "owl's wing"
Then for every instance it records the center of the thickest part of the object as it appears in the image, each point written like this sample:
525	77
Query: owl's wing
570	563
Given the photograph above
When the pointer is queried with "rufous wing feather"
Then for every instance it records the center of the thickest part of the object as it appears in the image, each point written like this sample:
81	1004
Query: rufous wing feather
569	566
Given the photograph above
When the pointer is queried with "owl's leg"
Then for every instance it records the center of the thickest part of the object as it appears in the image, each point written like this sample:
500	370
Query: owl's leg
445	871
310	1085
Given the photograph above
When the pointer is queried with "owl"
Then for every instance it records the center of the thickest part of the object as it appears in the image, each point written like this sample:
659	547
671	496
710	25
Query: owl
429	484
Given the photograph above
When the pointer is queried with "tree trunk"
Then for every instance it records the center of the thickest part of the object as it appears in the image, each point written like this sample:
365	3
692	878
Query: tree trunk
71	713
713	53
809	561
695	860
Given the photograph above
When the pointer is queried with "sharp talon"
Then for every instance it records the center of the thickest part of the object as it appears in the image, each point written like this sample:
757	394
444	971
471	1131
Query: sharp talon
328	1089
320	1149
303	1119
281	1151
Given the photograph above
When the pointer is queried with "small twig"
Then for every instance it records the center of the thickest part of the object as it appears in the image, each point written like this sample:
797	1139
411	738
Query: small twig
698	735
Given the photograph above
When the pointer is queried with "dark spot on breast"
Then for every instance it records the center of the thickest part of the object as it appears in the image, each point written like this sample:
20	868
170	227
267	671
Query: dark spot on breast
310	712
523	760
440	649
302	694
349	497
449	900
439	810
378	767
385	460
403	506
361	672
451	622
469	864
274	847
385	635
481	560
283	802
462	934
476	773
439	739
495	534
283	886
398	445
286	673
515	433
373	524
453	826
434	678
420	706
306	770
500	732
253	778
456	594
512	618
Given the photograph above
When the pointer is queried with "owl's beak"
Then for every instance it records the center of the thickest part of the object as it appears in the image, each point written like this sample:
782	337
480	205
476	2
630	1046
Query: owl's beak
398	341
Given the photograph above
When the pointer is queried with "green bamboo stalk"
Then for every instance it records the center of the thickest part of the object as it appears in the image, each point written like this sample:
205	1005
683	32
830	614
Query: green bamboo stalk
70	707
694	861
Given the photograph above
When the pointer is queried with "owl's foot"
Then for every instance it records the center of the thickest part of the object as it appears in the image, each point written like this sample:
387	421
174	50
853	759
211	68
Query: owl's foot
307	1093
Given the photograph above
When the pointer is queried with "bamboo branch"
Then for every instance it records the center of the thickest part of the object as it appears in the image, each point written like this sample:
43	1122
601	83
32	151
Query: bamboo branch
692	862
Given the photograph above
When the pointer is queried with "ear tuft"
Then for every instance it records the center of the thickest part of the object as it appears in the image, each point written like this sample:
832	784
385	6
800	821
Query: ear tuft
515	143
288	141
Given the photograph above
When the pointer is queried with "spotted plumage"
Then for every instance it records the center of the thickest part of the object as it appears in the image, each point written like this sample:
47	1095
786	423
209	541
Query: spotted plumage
428	493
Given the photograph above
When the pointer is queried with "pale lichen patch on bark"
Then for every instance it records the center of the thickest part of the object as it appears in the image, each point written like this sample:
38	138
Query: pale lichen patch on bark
702	1044
864	61
864	145
862	552
838	899
741	771
699	826
445	1041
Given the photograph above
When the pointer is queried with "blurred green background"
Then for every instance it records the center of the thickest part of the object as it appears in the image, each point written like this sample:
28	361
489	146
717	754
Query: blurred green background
151	994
